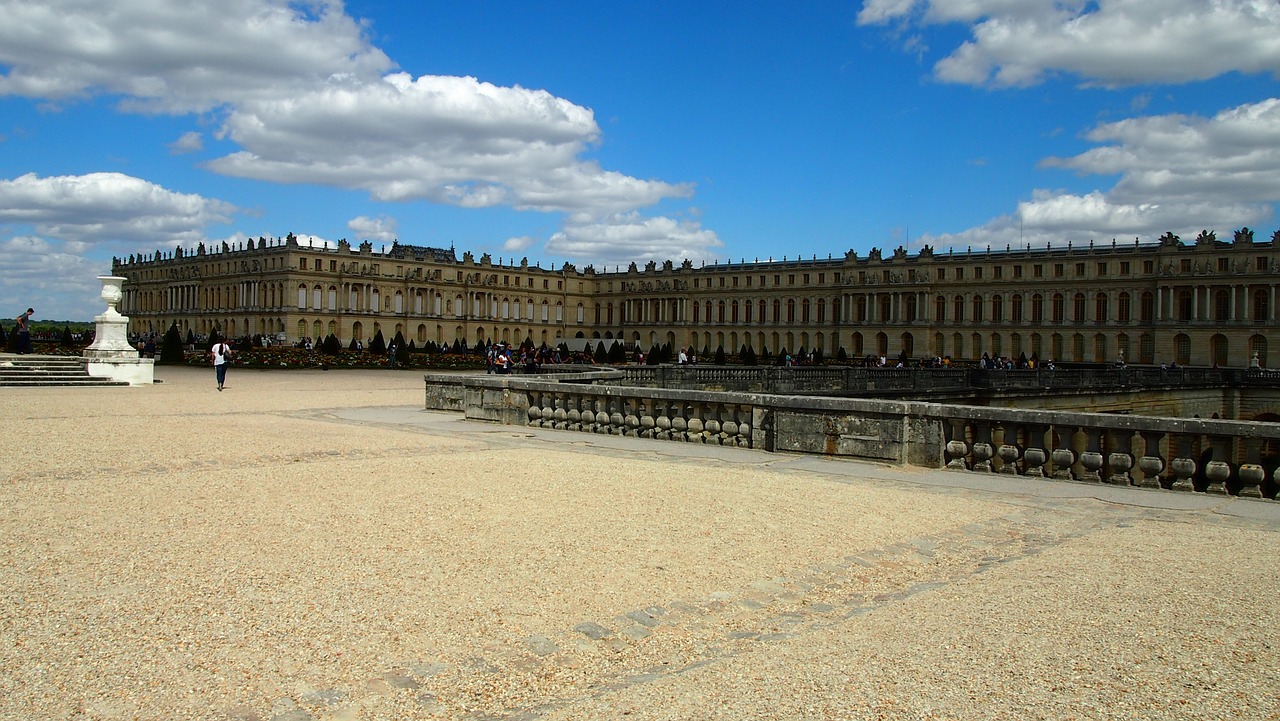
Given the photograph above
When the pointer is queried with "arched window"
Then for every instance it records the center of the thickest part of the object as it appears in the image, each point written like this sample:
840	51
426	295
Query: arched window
1101	308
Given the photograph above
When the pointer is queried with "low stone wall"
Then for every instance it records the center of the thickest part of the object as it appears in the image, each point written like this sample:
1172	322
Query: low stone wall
1173	453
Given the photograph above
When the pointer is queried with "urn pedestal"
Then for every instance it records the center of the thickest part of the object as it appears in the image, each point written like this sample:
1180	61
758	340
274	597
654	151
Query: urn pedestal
110	355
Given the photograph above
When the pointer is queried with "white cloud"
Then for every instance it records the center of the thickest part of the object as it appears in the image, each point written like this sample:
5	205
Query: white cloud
1108	42
382	228
627	237
1176	173
449	140
101	207
518	244
178	56
40	274
189	142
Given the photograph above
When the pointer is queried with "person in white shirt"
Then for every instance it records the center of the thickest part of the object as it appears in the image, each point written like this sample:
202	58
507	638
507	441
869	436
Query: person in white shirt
221	353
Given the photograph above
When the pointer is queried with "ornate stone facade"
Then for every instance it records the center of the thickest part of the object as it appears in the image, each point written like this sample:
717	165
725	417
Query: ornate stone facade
1196	303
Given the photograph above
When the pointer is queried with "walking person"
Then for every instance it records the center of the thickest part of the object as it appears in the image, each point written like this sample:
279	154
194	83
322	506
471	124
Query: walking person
221	359
24	331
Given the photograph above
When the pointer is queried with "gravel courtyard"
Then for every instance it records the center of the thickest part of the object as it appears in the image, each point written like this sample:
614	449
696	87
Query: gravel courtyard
312	545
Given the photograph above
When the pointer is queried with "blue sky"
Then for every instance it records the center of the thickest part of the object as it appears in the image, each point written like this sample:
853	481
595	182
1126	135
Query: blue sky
605	133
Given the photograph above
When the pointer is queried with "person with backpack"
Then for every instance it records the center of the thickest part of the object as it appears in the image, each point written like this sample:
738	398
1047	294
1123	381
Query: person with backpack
221	353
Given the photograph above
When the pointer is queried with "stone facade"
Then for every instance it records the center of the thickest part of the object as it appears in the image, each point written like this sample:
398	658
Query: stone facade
1203	302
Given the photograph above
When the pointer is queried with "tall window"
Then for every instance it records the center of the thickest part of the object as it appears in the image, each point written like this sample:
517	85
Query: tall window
1122	308
1059	310
1101	311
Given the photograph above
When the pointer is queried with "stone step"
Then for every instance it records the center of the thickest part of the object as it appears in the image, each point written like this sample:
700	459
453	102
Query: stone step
30	370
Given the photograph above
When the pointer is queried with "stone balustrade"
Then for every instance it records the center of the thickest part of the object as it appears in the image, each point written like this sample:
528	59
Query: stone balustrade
1177	454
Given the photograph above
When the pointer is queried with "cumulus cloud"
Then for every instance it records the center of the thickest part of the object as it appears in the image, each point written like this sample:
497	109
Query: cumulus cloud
626	237
381	228
178	56
520	243
41	274
1176	173
101	207
449	140
1107	42
306	97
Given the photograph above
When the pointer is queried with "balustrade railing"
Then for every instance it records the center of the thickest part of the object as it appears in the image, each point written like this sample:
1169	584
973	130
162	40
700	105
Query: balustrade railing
594	409
1207	456
1175	454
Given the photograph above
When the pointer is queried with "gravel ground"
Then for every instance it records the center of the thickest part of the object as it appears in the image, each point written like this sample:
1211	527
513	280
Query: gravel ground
276	552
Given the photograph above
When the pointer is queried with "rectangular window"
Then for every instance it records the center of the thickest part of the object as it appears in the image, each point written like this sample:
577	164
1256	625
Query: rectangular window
1079	270
1017	271
942	274
1037	271
1102	270
722	281
997	272
806	279
1058	270
1124	267
959	273
1148	266
333	266
1224	264
735	281
1260	263
316	266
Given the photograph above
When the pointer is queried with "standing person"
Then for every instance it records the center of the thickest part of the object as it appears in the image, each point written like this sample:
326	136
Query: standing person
24	331
391	354
221	358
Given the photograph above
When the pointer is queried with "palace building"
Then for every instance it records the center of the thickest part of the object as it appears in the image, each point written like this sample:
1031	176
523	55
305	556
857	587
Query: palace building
1202	302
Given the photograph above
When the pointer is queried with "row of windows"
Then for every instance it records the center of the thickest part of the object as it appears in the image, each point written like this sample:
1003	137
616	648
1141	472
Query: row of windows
317	264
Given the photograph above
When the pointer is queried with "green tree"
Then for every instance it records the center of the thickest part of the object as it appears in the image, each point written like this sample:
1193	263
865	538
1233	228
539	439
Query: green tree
378	346
331	345
171	346
749	356
719	355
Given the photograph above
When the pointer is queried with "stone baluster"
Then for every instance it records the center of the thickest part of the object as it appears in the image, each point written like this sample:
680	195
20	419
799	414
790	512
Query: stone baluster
1218	469
1120	457
648	419
957	448
1064	453
561	416
575	412
1091	460
696	425
548	410
534	411
712	425
1034	456
662	422
589	415
617	421
983	450
1182	464
631	419
1251	473
1008	450
680	422
729	426
1151	463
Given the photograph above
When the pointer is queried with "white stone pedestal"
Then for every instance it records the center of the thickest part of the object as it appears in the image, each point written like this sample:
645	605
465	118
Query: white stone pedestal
110	355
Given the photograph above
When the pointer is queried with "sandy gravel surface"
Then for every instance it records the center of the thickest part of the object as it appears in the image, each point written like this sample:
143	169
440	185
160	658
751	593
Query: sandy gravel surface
283	551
